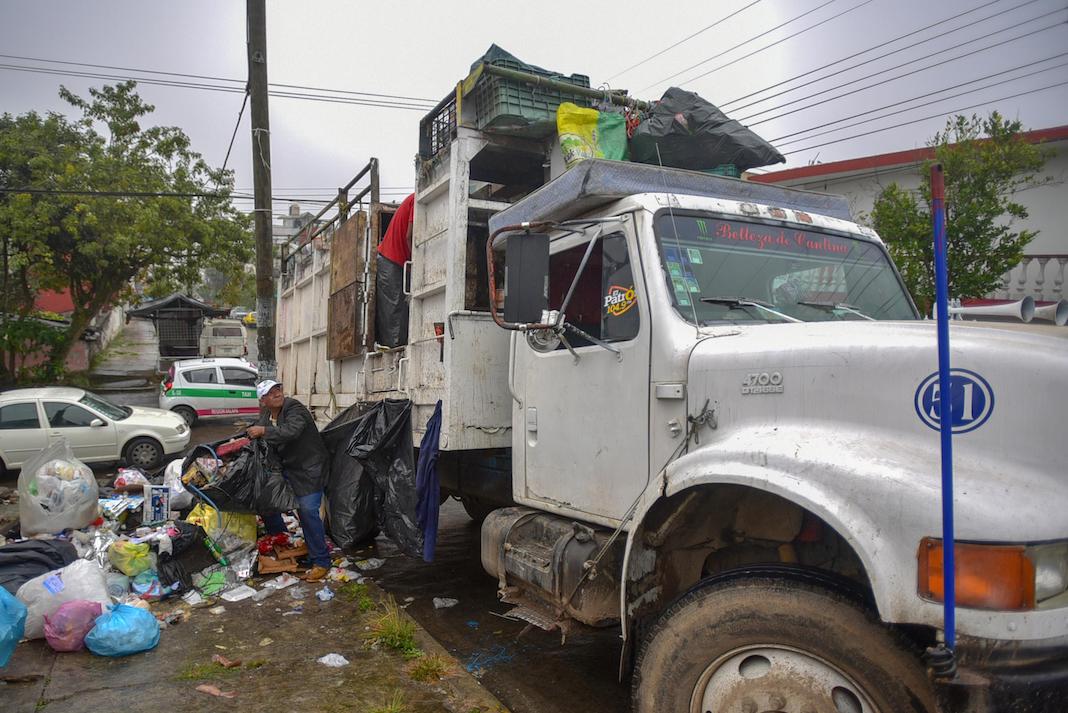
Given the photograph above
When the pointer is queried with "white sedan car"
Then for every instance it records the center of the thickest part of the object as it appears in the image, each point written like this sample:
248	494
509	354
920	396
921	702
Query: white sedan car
97	429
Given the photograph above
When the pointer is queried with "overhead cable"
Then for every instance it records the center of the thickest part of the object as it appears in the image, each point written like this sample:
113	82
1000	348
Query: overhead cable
218	88
870	49
218	79
927	118
740	44
684	39
887	80
779	139
777	42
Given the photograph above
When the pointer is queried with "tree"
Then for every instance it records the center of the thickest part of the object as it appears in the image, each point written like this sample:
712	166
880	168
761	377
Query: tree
986	164
111	202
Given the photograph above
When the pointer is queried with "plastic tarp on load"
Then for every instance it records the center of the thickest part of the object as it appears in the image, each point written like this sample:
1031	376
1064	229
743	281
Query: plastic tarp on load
382	442
352	502
597	182
685	131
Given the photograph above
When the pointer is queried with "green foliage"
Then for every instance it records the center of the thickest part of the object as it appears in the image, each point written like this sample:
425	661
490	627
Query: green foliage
429	669
393	630
94	245
394	704
986	164
358	593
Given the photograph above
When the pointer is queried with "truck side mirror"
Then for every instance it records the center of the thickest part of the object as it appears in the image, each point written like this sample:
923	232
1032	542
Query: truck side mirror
526	277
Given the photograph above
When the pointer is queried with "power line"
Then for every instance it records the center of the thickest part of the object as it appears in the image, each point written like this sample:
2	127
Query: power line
922	96
234	135
776	42
684	39
894	78
219	79
926	118
865	51
740	44
144	194
210	87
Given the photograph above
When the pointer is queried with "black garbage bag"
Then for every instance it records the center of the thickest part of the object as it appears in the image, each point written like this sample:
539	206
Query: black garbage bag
382	442
352	502
188	554
692	133
22	561
253	482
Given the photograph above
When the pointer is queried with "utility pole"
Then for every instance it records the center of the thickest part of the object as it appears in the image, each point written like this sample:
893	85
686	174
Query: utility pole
261	180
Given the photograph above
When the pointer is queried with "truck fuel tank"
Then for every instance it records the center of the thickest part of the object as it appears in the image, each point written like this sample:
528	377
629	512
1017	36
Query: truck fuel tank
539	560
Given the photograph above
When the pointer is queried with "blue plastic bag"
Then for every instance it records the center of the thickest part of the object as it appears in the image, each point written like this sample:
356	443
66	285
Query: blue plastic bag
12	624
123	631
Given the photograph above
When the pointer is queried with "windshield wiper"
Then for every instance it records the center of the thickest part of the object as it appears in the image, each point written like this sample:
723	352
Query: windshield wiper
829	306
748	302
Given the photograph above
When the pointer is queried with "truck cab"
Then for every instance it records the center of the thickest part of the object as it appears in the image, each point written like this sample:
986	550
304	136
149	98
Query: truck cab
725	441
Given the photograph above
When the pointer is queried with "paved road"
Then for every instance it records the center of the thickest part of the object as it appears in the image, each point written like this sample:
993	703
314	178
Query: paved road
530	674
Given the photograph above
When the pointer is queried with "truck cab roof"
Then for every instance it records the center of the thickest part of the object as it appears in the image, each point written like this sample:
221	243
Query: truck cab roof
595	183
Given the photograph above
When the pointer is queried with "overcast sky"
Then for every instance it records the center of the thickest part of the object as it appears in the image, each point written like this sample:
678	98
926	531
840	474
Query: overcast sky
421	49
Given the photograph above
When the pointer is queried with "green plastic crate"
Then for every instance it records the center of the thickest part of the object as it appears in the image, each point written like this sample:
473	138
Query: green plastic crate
724	169
507	107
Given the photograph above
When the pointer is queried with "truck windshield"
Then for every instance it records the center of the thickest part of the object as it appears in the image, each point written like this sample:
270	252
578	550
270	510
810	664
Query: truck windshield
724	270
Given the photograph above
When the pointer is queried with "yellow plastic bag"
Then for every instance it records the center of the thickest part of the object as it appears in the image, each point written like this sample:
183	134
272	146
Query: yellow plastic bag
129	558
588	133
239	525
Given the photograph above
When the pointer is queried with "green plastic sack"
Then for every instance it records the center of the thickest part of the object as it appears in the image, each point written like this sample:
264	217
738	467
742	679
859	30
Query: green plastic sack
129	558
588	133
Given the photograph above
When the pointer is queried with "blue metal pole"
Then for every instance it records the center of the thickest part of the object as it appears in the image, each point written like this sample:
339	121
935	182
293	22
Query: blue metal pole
945	400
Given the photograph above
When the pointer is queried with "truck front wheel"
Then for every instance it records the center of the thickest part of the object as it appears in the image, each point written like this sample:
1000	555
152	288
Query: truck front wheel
772	644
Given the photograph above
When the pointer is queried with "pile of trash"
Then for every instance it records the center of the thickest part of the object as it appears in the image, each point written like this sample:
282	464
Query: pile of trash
91	566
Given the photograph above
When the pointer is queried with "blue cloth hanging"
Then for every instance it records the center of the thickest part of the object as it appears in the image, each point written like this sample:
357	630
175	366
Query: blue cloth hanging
427	484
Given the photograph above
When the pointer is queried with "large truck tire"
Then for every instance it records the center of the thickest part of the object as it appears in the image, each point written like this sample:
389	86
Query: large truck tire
477	510
762	643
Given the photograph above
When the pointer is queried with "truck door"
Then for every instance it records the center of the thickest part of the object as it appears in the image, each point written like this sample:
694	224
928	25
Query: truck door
584	423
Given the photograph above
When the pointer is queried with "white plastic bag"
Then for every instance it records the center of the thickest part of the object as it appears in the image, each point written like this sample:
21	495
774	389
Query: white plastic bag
42	595
172	478
56	492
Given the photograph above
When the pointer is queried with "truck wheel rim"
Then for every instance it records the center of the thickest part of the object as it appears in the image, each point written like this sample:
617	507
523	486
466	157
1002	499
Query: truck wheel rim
777	679
143	454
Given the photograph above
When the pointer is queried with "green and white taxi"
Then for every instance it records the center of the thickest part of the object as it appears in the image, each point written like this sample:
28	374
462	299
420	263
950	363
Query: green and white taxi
198	388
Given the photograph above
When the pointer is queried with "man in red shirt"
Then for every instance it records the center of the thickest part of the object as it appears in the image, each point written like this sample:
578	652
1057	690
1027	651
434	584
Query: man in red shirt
391	304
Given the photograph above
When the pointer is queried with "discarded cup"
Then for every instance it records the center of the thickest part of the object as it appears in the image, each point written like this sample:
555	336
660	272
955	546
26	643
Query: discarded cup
368	564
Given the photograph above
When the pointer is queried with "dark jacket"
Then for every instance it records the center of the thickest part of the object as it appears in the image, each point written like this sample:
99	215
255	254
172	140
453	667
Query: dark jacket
299	446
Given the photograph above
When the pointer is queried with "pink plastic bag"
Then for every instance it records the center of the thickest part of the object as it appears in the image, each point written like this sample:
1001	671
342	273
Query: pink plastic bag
66	628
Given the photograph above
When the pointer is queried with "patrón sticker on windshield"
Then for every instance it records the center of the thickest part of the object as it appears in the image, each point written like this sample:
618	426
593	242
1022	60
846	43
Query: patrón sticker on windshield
619	300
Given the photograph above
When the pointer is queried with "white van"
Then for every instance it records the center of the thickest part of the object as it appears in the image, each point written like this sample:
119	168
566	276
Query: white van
223	338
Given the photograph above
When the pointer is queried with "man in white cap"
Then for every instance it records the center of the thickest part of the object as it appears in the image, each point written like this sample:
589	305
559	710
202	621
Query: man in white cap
288	427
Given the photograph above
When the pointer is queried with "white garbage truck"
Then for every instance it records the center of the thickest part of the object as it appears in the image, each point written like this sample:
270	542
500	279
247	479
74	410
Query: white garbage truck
705	411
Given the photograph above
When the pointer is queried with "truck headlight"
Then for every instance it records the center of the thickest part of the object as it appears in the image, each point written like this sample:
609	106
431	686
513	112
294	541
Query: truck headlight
1000	577
1051	569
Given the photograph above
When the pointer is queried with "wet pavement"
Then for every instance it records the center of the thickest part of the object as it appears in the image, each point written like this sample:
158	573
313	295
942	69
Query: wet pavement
533	673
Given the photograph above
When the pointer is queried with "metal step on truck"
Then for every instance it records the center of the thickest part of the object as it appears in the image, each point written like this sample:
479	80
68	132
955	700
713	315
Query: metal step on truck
705	411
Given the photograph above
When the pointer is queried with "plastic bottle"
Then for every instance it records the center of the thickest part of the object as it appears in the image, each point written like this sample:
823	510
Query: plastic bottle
216	552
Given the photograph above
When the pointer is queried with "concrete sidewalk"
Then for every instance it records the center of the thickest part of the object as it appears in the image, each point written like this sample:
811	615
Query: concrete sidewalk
279	671
130	360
